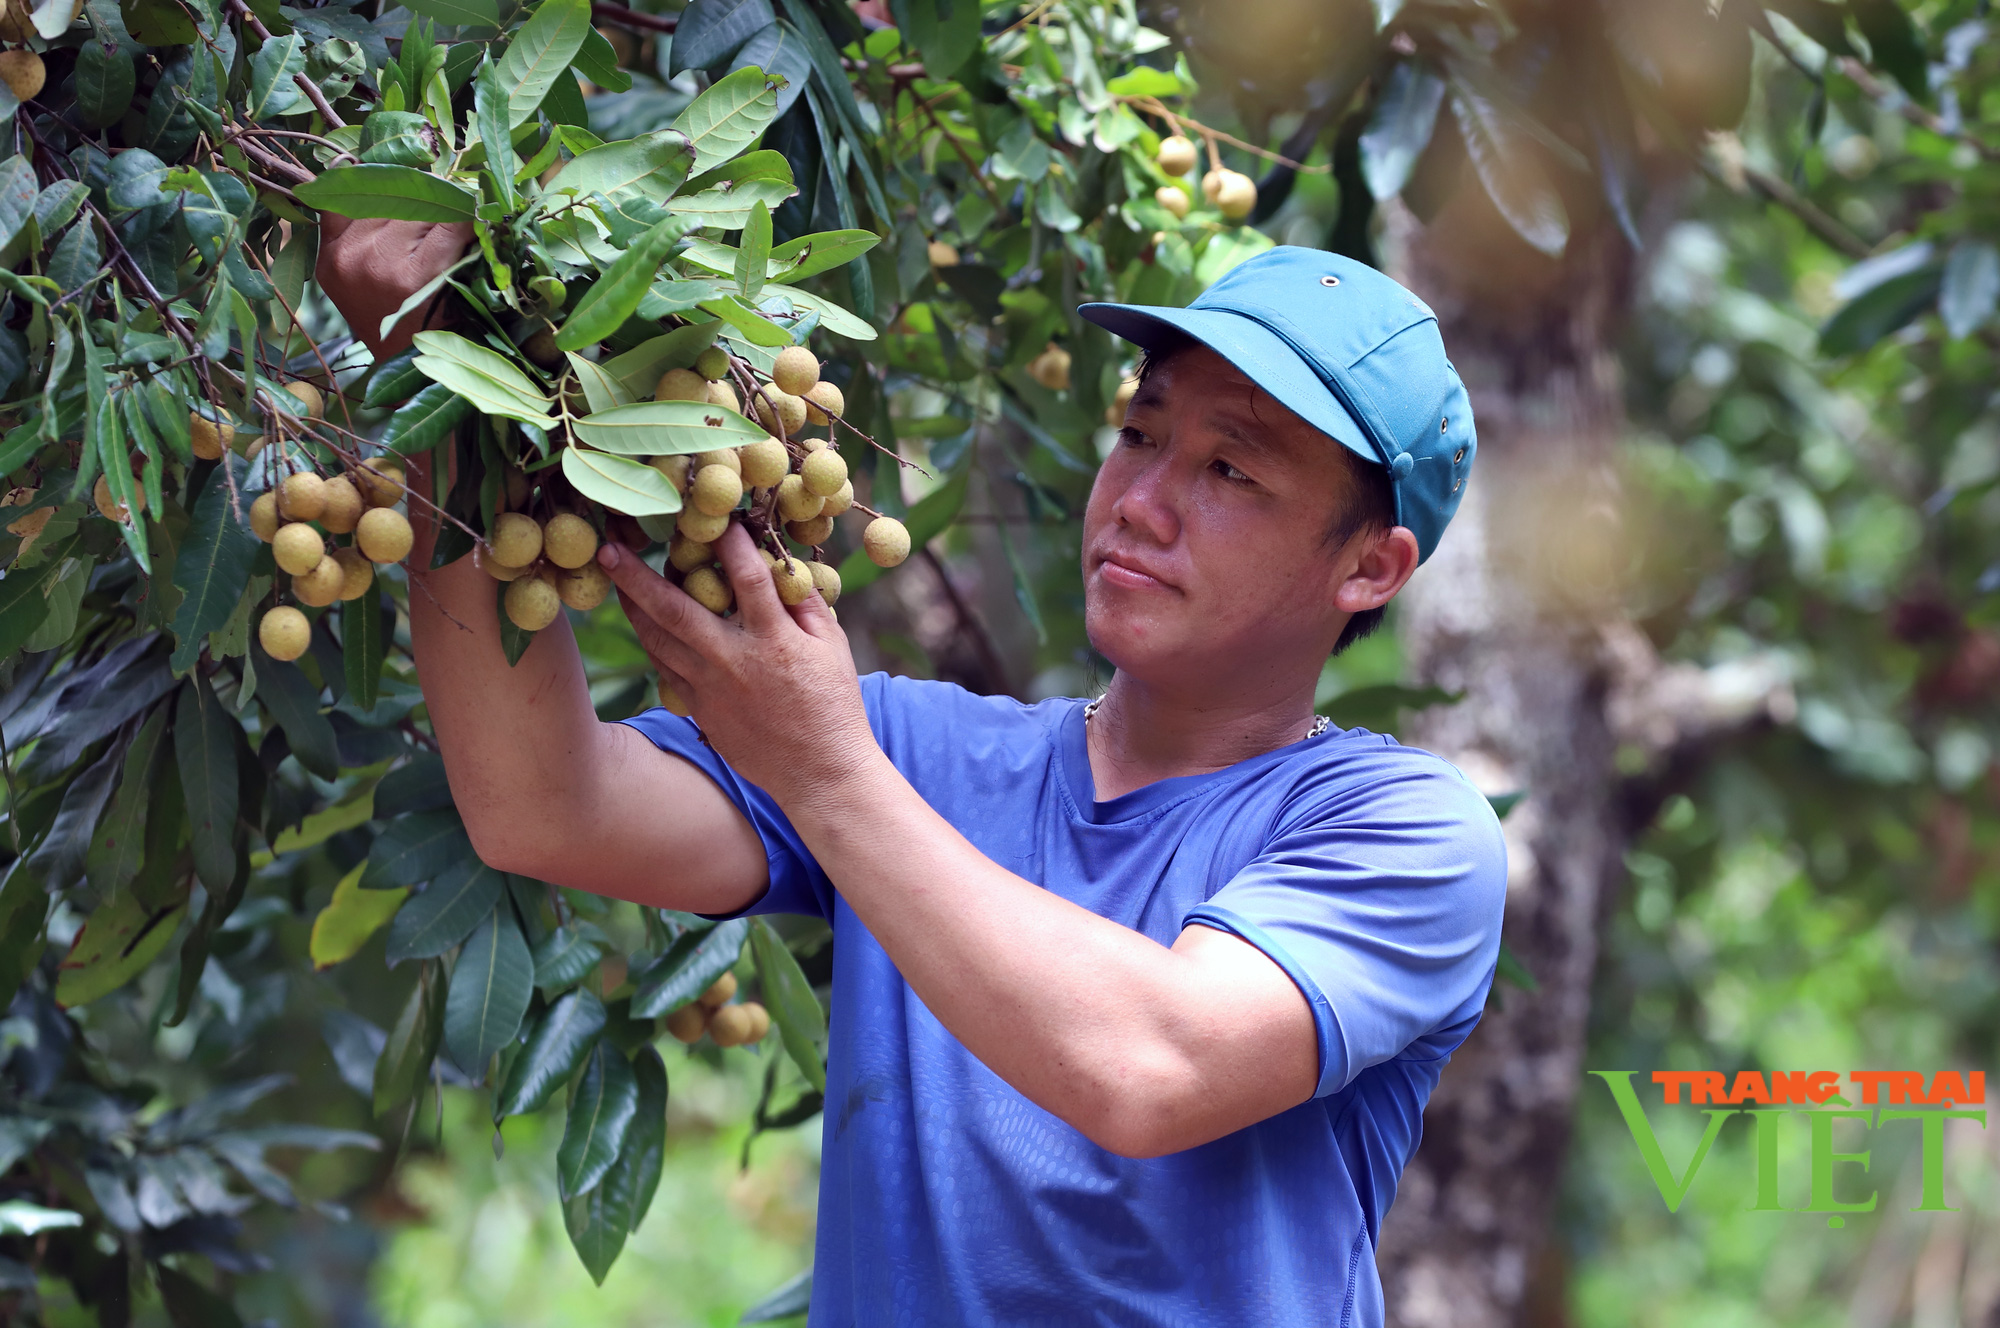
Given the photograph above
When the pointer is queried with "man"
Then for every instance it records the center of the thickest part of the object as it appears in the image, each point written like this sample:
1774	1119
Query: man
1136	1004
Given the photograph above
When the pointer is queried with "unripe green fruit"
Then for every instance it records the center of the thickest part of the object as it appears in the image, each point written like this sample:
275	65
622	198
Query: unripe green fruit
688	1023
583	587
1173	199
516	539
532	603
1176	155
826	580
568	540
709	590
793	580
680	385
686	554
302	497
796	502
811	533
824	472
716	490
384	534
284	633
712	363
297	548
264	515
322	585
357	573
764	462
341	508
887	541
700	526
824	402
795	370
839	500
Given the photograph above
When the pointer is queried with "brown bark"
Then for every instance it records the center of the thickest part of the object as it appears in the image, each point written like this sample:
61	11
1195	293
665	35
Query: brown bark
1512	611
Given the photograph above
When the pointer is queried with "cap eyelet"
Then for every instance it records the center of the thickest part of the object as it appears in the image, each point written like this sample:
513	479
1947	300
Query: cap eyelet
1456	487
1444	425
1459	458
1329	281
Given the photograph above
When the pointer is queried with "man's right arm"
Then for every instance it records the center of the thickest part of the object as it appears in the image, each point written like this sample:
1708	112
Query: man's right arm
546	789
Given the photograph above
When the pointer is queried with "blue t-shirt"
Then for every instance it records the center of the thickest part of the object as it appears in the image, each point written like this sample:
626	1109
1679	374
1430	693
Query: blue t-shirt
1372	873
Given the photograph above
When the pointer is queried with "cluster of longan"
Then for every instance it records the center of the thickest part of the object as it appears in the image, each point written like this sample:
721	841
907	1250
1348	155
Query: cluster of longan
297	517
546	564
726	1025
1233	193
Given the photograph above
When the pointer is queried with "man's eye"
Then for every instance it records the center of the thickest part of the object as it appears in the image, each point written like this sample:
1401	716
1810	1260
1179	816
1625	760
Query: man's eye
1231	473
1131	437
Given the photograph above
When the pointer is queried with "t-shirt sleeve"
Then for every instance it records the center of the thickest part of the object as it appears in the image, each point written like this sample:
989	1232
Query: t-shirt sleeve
1382	902
797	885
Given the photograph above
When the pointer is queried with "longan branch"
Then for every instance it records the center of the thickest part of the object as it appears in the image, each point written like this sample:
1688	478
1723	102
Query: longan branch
1153	106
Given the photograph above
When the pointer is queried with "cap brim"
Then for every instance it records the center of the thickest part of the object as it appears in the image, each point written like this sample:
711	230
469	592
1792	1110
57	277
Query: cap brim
1264	357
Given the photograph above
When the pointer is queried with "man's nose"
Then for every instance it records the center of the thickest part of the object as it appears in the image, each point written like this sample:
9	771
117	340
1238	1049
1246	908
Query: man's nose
1151	503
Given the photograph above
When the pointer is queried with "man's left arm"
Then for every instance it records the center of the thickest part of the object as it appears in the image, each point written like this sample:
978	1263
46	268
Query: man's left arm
1144	1049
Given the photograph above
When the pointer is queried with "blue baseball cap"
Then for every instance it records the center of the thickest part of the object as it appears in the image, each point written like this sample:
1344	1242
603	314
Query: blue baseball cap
1347	350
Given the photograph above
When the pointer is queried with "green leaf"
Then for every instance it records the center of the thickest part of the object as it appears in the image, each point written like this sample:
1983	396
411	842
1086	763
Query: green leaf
729	116
1893	41
763	164
1147	82
490	988
205	751
756	329
426	419
418	847
540	51
105	81
350	918
639	369
599	1220
601	1108
666	428
446	912
925	521
293	704
212	568
395	380
486	378
397	193
782	54
689	967
1510	168
158	22
567	953
945	32
118	848
24	907
490	102
18	197
727	207
514	642
711	31
24	599
650	166
600	390
119	939
406	1059
363	645
786	1302
272	89
620	483
458	13
598	62
189	1304
1880	310
810	255
555	1049
754	254
616	295
794	1008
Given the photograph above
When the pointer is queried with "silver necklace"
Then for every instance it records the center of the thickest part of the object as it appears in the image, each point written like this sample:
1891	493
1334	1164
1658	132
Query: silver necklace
1320	724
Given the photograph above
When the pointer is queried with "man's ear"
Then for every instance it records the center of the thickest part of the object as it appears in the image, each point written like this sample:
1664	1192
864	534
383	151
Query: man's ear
1386	560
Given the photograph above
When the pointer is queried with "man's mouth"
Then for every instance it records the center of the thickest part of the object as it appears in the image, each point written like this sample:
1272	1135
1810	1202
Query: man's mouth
1131	573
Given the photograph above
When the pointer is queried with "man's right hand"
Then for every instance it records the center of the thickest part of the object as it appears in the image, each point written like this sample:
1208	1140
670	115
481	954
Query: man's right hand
368	268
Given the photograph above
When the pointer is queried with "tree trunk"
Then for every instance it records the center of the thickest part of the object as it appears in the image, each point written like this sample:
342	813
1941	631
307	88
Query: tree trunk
1512	611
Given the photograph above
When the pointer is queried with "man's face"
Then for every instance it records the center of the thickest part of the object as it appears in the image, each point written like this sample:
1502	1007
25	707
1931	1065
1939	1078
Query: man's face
1204	544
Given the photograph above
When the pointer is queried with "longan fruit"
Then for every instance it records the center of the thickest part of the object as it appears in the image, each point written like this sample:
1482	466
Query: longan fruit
761	1024
780	411
685	554
720	456
826	580
942	254
312	402
839	500
824	472
627	531
722	394
1176	155
681	385
515	540
731	1026
887	541
716	490
712	363
301	496
811	533
532	603
341	508
518	487
322	585
568	540
380	481
795	370
675	468
264	515
1114	414
671	702
1233	192
699	526
297	547
24	72
1173	199
357	573
499	571
109	507
793	580
718	993
764	462
284	633
709	590
384	534
824	402
541	348
209	438
796	502
1051	368
583	587
688	1023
